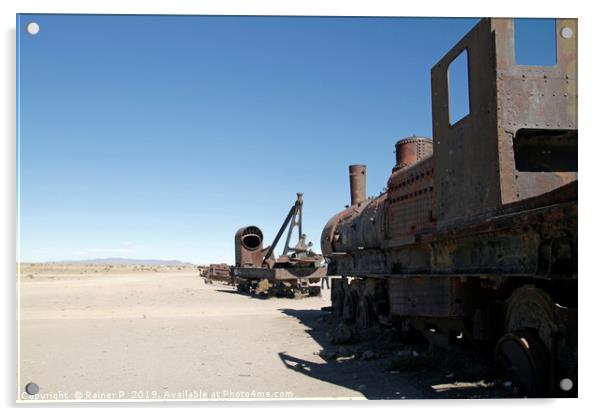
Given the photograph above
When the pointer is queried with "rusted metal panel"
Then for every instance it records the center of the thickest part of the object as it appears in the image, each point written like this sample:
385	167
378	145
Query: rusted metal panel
517	113
547	209
536	96
369	261
360	227
534	101
434	297
280	274
218	272
516	240
328	238
248	246
466	154
409	206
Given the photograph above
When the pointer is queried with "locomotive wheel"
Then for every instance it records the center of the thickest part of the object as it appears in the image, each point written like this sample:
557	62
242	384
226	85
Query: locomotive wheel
525	359
338	298
524	351
314	291
364	317
349	306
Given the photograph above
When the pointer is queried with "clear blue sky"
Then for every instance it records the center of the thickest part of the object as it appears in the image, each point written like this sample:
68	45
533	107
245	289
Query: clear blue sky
160	136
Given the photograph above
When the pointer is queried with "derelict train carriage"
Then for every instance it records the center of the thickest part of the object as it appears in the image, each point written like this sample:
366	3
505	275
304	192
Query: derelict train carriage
217	273
475	238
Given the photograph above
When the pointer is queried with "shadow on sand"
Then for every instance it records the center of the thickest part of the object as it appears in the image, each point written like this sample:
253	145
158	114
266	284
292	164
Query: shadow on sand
229	290
366	367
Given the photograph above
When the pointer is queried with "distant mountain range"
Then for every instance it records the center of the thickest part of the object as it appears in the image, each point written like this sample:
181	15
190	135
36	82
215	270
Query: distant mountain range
119	260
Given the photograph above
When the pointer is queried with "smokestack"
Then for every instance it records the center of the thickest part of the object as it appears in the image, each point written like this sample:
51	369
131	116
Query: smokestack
357	183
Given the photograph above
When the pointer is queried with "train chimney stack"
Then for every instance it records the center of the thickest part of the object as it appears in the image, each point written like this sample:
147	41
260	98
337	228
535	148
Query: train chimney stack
357	183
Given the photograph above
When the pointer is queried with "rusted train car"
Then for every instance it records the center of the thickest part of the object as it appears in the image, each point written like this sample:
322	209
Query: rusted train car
475	238
218	273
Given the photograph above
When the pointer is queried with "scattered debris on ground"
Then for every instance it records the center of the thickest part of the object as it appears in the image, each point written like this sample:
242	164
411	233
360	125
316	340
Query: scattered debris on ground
453	373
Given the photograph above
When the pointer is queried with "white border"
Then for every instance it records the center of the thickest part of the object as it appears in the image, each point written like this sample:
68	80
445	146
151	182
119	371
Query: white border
589	64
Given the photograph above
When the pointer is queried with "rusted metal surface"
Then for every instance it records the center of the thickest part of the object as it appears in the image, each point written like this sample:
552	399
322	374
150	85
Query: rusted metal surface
513	242
514	110
410	198
313	274
535	325
489	207
357	184
410	150
248	246
258	271
463	184
294	219
218	273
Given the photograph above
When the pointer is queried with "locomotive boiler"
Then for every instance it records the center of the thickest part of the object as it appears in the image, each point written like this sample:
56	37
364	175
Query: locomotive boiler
474	240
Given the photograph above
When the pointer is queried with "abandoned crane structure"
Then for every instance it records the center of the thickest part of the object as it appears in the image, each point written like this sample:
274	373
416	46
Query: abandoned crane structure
257	271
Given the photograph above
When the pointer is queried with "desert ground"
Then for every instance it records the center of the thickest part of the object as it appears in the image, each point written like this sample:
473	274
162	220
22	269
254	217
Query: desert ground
130	332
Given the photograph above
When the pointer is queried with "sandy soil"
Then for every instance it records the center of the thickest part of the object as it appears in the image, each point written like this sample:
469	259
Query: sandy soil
98	332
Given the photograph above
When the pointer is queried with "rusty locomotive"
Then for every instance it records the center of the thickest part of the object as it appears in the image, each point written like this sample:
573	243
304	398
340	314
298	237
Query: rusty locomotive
474	240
